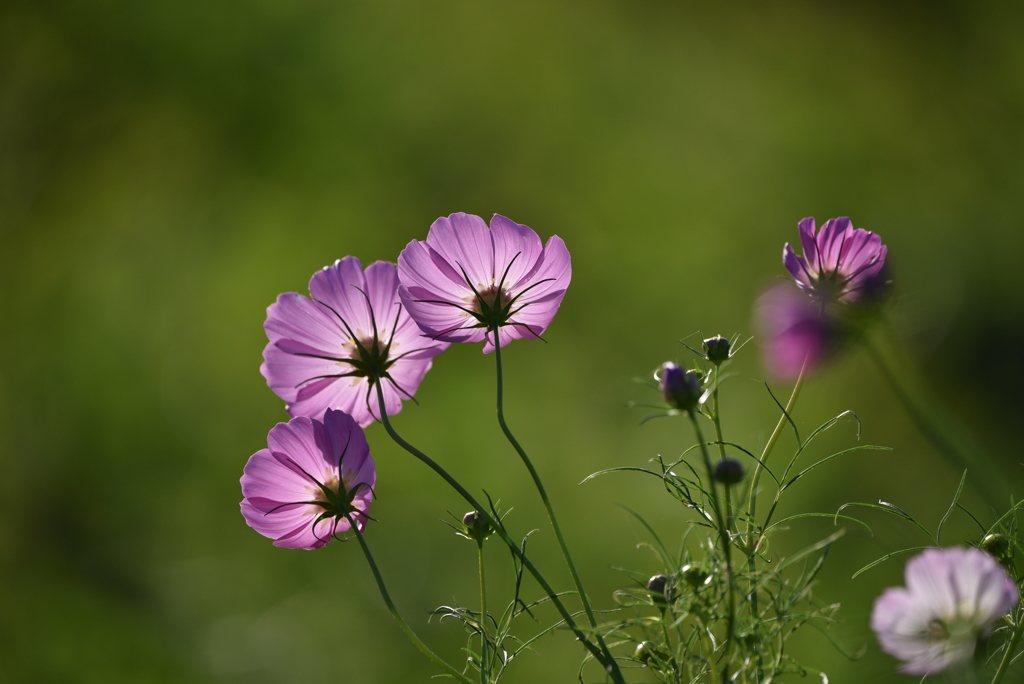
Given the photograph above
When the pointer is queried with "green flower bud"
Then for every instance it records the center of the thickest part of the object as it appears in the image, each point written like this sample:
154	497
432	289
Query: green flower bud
997	546
476	525
717	349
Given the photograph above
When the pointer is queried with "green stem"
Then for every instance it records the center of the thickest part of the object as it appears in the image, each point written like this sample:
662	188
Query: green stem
938	427
610	665
717	419
1004	663
547	504
776	433
484	670
394	611
724	540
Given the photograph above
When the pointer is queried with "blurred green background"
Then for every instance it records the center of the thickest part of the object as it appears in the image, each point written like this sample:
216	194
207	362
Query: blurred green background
167	168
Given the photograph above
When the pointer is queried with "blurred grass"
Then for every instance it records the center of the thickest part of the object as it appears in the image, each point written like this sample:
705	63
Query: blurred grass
166	169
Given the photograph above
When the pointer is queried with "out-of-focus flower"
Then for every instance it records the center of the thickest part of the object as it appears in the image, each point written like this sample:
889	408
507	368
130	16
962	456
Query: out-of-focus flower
952	597
299	489
327	352
796	331
680	389
469	282
839	263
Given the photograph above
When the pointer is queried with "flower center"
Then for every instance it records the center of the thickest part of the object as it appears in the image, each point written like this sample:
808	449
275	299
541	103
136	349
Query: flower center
490	306
367	356
957	629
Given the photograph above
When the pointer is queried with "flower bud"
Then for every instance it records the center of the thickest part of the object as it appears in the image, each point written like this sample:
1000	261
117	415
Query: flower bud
680	389
729	471
477	528
997	546
717	349
694	576
656	585
643	651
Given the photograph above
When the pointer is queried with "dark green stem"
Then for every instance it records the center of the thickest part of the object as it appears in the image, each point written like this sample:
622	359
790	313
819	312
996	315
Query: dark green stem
1004	663
484	669
717	419
395	614
547	505
724	540
776	433
940	429
600	655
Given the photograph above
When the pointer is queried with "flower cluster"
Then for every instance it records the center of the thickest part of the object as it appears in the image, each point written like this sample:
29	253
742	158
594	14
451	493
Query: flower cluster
377	330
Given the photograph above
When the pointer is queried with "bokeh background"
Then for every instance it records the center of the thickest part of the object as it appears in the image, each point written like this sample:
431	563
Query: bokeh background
167	168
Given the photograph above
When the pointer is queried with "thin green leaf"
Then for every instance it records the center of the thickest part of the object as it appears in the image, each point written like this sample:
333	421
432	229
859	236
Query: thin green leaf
666	557
891	509
887	557
835	517
952	504
829	458
613	470
783	409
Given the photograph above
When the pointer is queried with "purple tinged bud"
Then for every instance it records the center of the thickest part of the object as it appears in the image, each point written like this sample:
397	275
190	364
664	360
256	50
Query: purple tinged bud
717	349
477	528
657	584
729	471
679	388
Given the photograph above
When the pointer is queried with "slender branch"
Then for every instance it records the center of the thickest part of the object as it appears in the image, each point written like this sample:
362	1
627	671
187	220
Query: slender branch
600	655
776	433
547	504
724	540
395	614
485	675
1004	664
940	429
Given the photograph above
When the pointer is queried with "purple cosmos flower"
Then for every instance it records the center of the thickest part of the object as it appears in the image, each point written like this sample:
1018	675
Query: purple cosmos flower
469	282
299	489
795	331
952	597
839	263
328	352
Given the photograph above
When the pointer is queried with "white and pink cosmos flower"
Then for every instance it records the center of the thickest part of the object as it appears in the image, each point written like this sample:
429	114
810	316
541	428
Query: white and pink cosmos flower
839	263
313	476
470	282
952	597
327	352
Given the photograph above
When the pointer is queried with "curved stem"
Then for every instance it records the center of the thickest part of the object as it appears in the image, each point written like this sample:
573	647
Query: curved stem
941	429
484	669
600	655
547	503
776	433
717	419
1004	663
724	540
395	614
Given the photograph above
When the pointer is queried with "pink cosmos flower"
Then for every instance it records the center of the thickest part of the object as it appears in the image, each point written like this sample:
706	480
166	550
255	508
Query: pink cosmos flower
298	490
469	282
796	331
328	351
952	597
839	263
